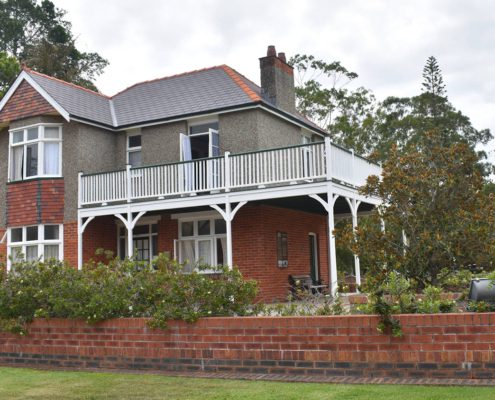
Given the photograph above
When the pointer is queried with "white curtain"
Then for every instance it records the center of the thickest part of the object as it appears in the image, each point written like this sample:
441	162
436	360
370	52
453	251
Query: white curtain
17	161
51	158
51	251
223	241
187	254
186	154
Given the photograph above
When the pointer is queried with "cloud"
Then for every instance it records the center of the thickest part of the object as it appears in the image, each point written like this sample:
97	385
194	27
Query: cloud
386	42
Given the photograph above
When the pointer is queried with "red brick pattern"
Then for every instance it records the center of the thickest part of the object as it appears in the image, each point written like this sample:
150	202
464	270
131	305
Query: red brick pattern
433	346
35	201
25	102
70	243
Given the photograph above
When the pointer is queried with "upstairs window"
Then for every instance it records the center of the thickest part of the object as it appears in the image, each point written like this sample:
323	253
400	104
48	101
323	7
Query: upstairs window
35	151
134	150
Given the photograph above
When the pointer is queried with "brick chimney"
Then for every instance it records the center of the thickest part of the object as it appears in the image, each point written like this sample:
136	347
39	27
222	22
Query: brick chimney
277	80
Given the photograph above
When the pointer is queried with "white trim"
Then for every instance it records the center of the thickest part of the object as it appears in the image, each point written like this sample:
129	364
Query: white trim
40	141
130	133
25	76
195	215
148	220
112	113
40	242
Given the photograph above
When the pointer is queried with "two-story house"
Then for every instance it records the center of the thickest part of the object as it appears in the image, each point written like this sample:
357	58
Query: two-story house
204	165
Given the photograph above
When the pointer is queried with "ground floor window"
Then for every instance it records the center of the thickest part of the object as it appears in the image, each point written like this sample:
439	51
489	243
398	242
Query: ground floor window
144	241
36	242
202	241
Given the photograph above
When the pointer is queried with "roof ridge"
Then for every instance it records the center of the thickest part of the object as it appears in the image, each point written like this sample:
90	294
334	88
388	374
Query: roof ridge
168	77
237	78
32	71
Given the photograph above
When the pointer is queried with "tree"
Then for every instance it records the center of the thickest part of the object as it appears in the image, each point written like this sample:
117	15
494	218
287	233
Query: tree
9	69
437	217
322	96
404	121
37	34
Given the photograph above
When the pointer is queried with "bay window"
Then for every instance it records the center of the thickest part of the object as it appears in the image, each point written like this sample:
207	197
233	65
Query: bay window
35	151
35	242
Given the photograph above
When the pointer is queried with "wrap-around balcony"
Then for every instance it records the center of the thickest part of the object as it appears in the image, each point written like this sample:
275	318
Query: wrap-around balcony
256	170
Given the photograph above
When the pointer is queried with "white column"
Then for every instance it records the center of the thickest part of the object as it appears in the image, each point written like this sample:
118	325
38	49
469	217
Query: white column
228	215
130	228
357	264
79	243
332	250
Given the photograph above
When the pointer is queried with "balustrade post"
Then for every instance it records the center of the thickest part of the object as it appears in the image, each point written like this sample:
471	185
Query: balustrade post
129	182
79	189
353	170
328	158
226	167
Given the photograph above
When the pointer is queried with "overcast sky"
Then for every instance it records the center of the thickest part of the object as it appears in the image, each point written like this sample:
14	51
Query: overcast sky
385	42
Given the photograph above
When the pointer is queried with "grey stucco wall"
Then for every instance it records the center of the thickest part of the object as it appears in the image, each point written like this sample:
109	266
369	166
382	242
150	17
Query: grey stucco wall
238	131
161	144
87	149
276	132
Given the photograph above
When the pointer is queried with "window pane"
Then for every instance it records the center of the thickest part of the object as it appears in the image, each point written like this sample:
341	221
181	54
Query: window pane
51	251
122	245
17	161
154	228
134	141
32	159
32	133
187	228
16	253
17	137
51	232
204	227
31	253
220	226
52	133
141	230
135	158
51	159
31	233
154	243
203	128
204	252
16	235
221	251
187	254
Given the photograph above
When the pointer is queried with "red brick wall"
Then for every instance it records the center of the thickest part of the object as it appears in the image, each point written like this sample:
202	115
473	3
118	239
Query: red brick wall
25	102
70	243
37	201
433	346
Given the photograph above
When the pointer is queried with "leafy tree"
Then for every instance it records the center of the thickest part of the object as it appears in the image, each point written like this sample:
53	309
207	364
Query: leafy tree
438	220
37	34
322	96
9	69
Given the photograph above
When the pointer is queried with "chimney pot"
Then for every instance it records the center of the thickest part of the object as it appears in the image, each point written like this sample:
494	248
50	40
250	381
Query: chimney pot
271	51
281	57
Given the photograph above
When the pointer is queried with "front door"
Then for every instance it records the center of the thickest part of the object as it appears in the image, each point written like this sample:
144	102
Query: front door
313	258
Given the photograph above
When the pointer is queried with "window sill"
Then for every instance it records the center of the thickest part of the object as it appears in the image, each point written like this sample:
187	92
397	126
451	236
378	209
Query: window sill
35	178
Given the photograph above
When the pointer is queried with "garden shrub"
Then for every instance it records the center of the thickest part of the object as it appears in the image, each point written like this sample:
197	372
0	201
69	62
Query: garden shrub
119	289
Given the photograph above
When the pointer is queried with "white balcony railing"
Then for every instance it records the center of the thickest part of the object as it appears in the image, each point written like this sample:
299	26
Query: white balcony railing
295	164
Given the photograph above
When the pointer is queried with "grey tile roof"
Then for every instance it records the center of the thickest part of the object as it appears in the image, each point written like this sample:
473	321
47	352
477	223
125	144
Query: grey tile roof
189	93
76	100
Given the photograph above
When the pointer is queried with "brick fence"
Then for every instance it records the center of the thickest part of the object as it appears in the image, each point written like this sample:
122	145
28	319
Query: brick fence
433	346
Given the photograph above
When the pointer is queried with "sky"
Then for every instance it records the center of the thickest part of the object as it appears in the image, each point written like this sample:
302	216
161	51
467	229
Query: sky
385	41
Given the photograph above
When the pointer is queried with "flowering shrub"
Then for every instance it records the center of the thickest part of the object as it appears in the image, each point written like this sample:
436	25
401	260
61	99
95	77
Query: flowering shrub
119	289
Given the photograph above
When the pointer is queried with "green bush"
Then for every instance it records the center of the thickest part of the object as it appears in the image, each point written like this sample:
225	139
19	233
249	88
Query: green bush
120	289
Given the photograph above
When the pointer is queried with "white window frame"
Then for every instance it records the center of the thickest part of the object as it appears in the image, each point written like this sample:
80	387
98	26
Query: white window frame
149	221
40	140
134	149
212	237
40	242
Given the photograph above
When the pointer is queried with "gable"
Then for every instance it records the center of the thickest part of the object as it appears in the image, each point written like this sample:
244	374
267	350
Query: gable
25	102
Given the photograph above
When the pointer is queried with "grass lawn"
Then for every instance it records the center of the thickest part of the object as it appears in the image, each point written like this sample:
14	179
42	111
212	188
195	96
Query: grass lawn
17	383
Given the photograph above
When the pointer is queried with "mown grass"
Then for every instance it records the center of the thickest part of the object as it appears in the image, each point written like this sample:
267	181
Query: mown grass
21	383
